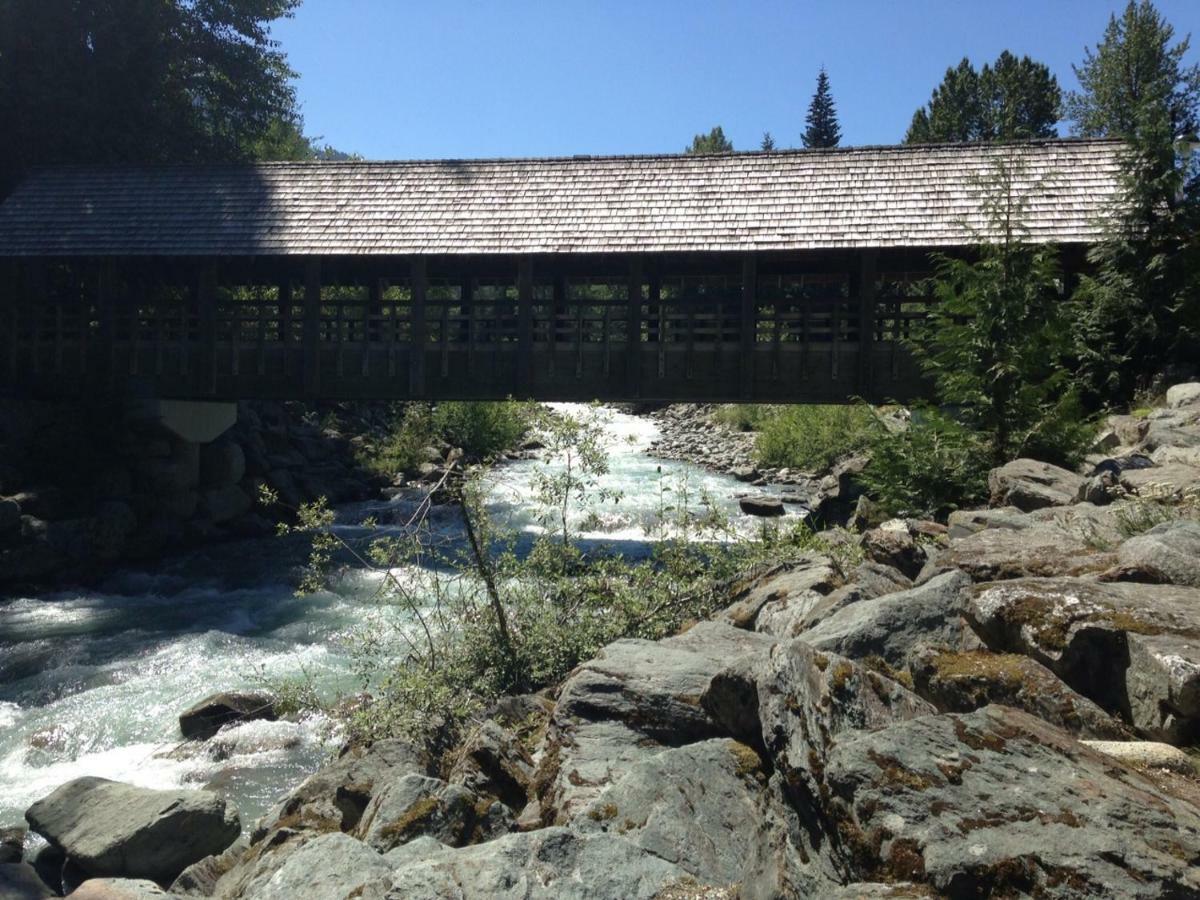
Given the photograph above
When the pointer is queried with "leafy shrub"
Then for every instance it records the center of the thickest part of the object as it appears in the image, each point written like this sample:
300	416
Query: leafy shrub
932	468
813	438
745	416
482	429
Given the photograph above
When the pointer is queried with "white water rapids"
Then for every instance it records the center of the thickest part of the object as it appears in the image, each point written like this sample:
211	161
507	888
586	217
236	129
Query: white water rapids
92	681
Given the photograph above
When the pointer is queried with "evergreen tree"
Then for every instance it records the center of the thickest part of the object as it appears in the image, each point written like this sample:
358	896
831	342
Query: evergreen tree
713	142
822	125
143	81
1135	78
1138	313
768	142
1011	99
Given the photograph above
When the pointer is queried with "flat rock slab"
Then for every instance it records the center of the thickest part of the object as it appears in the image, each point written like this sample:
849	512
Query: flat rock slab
1132	648
206	718
417	805
804	580
1029	484
999	803
109	829
893	626
1148	754
121	889
1168	553
549	864
328	867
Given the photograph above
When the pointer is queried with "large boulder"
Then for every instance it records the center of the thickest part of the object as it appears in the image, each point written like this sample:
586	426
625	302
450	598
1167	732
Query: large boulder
549	864
893	626
1181	395
698	807
633	699
1166	554
892	544
205	718
761	505
999	803
222	463
111	829
1170	482
12	842
20	881
417	805
120	889
798	583
1029	484
1132	648
964	682
328	867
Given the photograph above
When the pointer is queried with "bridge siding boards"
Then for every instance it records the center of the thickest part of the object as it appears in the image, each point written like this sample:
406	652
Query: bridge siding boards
754	277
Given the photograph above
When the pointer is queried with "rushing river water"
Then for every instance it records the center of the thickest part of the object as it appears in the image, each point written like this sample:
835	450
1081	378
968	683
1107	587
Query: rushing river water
92	681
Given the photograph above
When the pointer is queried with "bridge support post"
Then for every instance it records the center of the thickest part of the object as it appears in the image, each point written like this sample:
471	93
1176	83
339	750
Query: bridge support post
206	302
312	329
524	325
633	329
416	362
749	325
866	322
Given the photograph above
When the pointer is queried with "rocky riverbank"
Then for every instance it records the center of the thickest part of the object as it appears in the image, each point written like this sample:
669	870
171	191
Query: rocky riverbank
1006	705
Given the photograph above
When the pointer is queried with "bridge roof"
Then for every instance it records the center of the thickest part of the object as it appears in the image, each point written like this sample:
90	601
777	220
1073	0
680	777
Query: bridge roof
906	196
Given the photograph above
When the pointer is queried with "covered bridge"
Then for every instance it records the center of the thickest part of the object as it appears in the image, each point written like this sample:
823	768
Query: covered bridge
780	276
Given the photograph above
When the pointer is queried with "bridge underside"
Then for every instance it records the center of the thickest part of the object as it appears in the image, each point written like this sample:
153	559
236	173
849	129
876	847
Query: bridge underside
794	328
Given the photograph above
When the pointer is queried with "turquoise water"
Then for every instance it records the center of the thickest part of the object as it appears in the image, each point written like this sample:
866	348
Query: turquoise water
92	682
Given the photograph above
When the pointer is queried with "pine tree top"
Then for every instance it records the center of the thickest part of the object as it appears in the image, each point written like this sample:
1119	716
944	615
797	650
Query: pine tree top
822	125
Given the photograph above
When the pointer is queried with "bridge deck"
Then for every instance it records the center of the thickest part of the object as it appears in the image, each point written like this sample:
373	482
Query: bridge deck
707	327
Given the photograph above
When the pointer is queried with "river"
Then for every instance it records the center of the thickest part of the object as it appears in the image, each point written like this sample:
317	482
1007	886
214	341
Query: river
92	681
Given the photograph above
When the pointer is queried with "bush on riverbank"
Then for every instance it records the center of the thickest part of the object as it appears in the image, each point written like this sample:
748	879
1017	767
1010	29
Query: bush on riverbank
807	437
482	429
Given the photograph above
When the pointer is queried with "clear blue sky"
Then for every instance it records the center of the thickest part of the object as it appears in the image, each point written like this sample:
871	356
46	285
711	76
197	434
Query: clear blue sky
409	79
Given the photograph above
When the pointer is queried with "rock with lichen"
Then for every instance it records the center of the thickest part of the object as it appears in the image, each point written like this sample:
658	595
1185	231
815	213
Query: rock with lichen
966	681
1132	648
999	803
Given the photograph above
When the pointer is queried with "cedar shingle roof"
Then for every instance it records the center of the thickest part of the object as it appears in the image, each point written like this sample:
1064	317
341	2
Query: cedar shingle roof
909	196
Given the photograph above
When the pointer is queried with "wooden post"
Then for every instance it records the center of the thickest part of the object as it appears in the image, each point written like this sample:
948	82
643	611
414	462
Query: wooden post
866	320
311	342
633	330
416	368
206	310
285	322
749	324
524	325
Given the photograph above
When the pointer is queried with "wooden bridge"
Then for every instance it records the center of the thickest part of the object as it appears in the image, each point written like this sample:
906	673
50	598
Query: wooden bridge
762	277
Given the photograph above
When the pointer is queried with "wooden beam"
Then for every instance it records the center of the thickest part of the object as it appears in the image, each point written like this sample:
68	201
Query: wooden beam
311	342
524	325
866	320
418	280
749	324
633	329
206	310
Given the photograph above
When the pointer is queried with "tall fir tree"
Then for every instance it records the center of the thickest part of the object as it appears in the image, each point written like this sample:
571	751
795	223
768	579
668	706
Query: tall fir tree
768	142
1011	99
822	125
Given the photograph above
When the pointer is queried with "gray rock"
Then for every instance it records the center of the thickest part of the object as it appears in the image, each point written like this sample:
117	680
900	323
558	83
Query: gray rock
1040	549
965	682
111	829
1148	755
549	864
892	627
417	805
222	463
335	796
997	802
1169	482
119	889
801	581
1168	553
10	516
1132	648
895	547
698	807
1029	484
1129	429
12	842
761	505
20	881
1172	428
205	718
493	762
223	504
1181	395
328	867
200	879
745	473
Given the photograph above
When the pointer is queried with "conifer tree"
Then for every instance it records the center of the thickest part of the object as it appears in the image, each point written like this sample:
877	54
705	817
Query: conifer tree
823	129
768	142
713	142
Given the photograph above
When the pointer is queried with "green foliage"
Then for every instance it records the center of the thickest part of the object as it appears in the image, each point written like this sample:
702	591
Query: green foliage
1135	77
998	338
713	142
822	129
1008	100
768	142
1139	312
136	81
933	467
813	438
482	430
745	416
